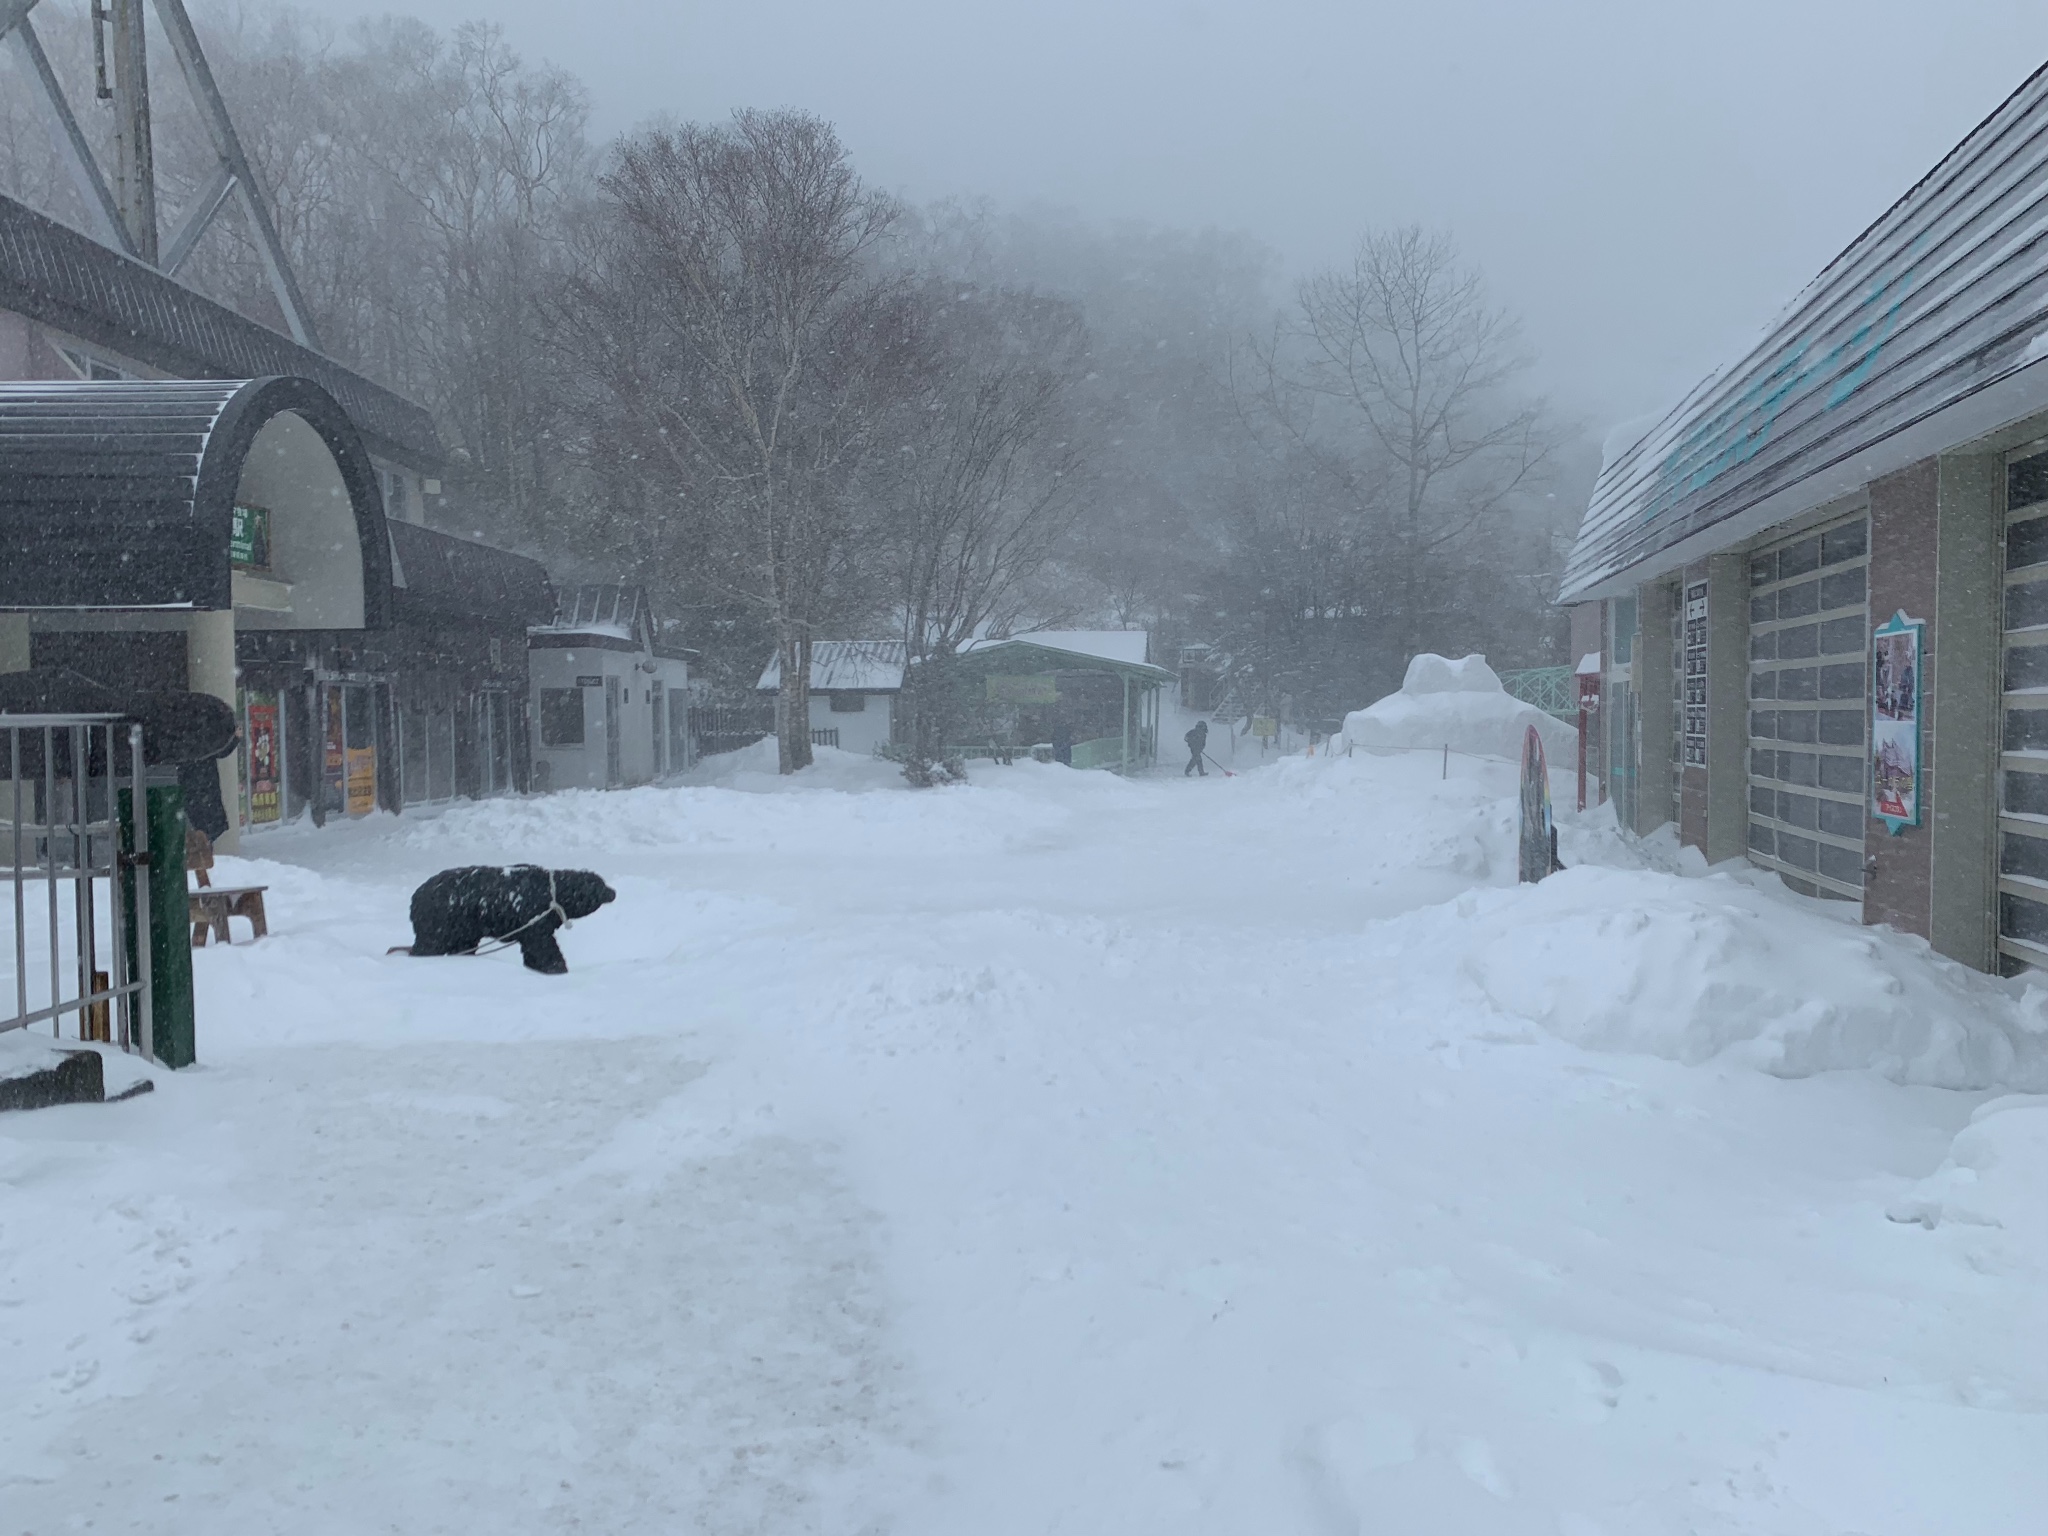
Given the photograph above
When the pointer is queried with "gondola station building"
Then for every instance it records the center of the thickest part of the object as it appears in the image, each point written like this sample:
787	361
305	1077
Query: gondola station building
189	499
1815	594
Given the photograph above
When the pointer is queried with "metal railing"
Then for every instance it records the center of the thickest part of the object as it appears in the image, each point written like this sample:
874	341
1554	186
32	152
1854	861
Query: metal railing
63	781
824	735
1554	690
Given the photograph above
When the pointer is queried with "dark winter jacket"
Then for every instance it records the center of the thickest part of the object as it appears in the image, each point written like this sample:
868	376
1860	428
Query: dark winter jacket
1198	738
460	909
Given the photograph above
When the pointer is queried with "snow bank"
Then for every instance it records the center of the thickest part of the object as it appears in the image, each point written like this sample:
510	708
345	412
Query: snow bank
755	768
1691	970
1996	1173
1459	704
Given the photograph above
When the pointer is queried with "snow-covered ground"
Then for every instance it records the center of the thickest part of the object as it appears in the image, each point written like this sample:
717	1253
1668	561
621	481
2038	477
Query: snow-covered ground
1050	1154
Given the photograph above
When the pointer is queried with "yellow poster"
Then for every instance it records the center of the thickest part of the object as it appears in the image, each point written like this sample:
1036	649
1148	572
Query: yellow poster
362	780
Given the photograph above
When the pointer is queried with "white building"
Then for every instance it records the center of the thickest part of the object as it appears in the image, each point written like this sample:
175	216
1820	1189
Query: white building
854	684
610	699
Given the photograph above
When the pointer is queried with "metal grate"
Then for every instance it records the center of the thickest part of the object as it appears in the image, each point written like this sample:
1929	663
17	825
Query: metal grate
2023	763
68	851
1809	634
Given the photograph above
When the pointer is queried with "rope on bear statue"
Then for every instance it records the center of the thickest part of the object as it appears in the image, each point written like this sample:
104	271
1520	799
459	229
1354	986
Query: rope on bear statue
505	941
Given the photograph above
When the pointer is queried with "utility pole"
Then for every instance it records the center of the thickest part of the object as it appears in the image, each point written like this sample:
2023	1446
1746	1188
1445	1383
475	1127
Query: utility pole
135	159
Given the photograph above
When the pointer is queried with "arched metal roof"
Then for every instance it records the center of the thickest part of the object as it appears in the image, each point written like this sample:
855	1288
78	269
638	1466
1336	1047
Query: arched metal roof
121	494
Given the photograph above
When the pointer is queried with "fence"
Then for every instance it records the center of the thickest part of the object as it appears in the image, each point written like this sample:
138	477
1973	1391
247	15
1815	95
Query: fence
1554	690
77	826
728	727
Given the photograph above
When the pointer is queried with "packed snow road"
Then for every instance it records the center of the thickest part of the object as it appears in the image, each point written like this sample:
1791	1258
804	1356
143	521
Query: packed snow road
1055	1154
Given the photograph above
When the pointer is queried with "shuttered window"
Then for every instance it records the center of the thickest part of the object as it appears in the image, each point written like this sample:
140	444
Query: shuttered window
1809	634
2023	767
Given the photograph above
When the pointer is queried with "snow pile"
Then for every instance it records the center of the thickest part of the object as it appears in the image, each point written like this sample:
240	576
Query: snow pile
1461	705
1996	1173
1690	970
755	767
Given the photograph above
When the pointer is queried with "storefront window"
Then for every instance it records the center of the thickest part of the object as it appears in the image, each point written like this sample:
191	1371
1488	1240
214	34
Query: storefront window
348	777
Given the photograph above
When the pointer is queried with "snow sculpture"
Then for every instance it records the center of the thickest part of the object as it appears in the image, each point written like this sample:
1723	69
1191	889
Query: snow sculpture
1460	704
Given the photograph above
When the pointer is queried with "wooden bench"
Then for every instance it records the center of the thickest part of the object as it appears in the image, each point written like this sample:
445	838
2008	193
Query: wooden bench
211	906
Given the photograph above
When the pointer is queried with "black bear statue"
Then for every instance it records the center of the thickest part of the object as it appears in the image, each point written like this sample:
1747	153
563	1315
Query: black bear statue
482	907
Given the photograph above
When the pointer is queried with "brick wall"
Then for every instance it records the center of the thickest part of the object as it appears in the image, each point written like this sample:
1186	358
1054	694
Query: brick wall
1904	534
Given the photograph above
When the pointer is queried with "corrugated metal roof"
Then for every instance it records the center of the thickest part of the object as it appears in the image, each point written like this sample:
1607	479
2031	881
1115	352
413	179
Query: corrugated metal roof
1130	646
446	577
1941	299
857	666
118	495
55	275
606	610
1122	651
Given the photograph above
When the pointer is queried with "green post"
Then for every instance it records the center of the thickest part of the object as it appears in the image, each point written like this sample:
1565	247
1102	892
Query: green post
170	930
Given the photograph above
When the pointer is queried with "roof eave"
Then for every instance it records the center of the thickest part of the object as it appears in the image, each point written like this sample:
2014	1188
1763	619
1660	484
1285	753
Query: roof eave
2004	403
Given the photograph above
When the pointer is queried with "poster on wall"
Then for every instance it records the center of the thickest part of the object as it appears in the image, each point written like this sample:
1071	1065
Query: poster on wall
362	780
1895	722
265	803
333	776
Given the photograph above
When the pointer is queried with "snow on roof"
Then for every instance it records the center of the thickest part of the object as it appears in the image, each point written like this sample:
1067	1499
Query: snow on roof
1132	647
851	666
602	631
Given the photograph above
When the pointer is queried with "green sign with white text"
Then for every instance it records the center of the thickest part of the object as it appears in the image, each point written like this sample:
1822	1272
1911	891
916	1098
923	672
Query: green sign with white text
249	538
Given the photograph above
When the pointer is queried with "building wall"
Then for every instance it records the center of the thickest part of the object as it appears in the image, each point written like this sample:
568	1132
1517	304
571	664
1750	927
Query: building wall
1935	541
674	752
1658	623
587	766
1904	525
1936	546
866	730
1969	585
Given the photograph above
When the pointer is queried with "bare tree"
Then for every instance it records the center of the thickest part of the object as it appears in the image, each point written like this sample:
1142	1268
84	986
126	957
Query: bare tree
781	351
983	493
1404	344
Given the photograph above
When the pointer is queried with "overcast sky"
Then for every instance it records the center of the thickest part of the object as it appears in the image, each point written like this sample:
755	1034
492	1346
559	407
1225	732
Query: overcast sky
1645	181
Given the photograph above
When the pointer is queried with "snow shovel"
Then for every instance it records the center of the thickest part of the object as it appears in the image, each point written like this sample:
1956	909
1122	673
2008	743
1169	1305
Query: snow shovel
1219	767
